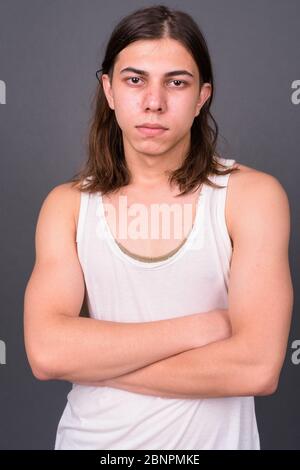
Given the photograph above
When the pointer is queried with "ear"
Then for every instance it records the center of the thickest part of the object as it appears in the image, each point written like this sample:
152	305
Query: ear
107	88
203	97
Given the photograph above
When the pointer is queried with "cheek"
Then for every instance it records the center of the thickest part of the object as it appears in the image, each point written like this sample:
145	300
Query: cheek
181	104
187	113
181	114
122	117
127	110
186	104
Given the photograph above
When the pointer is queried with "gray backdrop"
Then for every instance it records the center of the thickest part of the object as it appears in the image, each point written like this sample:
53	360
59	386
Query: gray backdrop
49	52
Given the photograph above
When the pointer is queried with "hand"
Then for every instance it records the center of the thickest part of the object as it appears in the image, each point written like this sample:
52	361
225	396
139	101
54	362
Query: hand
224	322
211	326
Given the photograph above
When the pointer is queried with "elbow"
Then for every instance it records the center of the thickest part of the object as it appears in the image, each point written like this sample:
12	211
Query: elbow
42	366
40	374
266	382
268	388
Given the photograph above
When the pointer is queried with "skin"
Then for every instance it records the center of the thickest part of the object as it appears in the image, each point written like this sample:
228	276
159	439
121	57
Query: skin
138	98
247	361
149	158
155	99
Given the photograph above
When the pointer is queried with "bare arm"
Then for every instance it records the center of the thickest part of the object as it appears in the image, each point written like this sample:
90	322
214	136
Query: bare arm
62	345
260	305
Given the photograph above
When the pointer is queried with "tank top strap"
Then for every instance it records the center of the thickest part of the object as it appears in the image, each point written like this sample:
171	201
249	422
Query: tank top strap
83	208
222	180
218	208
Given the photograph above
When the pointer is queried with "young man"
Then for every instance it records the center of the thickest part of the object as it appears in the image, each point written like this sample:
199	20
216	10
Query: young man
184	331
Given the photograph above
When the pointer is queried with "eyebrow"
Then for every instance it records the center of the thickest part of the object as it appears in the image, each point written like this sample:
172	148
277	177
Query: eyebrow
168	74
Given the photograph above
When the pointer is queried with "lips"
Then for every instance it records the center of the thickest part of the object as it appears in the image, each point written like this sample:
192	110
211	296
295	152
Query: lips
150	131
152	126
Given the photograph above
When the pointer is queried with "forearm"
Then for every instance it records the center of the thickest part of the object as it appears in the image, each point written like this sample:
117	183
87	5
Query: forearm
76	348
84	349
219	369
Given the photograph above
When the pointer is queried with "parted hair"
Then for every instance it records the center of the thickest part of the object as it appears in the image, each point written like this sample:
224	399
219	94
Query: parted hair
105	168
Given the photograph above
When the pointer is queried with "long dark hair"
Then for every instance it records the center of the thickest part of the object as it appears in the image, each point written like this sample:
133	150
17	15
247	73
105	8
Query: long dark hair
106	169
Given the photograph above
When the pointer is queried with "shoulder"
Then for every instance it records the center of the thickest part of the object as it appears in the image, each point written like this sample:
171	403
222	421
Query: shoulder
65	200
255	194
249	183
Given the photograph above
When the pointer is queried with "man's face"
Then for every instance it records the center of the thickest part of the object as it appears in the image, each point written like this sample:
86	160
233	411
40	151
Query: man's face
172	101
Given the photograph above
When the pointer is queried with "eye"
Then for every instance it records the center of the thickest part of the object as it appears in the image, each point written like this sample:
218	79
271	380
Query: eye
132	78
175	81
180	81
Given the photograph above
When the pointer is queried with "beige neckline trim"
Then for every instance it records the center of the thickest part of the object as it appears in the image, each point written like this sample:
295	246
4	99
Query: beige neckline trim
150	259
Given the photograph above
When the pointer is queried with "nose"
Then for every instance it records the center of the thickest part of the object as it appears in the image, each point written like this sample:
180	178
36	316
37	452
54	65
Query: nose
154	98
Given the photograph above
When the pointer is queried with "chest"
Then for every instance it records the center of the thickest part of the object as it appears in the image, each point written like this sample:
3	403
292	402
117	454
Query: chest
150	227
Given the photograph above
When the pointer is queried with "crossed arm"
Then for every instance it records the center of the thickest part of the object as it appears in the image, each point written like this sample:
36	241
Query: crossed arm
260	301
247	362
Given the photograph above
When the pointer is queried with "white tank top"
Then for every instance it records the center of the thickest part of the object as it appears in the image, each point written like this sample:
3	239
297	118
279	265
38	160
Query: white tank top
124	289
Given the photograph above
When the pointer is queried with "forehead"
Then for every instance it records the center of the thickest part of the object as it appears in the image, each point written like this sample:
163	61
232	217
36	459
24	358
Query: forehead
165	53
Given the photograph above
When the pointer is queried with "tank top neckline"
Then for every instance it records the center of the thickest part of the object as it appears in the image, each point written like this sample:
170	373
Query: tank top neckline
195	235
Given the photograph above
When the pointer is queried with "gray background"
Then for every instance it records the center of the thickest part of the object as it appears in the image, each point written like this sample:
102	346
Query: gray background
49	52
